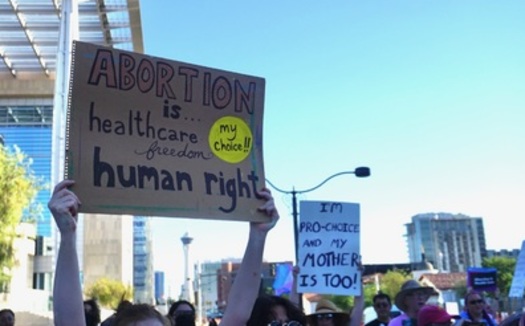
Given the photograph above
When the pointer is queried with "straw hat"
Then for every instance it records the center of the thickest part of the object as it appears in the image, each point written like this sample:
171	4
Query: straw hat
410	287
327	307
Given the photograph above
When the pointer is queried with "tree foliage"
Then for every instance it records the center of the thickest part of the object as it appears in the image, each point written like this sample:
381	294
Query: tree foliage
505	267
109	293
347	302
370	291
18	188
342	301
390	283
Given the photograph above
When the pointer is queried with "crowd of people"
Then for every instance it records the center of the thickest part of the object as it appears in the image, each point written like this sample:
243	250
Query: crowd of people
413	299
245	305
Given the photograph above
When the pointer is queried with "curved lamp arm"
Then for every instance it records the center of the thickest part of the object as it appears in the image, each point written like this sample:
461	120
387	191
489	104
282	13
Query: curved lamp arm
359	172
278	189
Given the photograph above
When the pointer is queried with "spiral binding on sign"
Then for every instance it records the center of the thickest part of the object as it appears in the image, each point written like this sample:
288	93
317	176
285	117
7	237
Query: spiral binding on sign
67	162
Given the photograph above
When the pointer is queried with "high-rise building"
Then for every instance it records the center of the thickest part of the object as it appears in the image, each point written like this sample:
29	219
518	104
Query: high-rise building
508	253
29	35
228	272
143	277
108	248
160	287
451	242
29	128
27	125
208	285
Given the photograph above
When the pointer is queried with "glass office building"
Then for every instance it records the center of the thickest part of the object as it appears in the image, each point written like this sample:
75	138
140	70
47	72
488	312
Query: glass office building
29	40
160	287
143	277
26	124
29	128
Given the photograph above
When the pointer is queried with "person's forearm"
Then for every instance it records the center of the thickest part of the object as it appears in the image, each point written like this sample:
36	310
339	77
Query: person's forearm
68	306
295	298
245	289
356	318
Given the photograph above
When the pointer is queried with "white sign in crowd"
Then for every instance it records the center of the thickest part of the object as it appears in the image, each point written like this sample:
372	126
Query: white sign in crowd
328	248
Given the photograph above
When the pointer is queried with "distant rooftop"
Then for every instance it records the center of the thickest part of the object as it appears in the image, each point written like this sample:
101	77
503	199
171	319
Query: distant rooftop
442	216
444	281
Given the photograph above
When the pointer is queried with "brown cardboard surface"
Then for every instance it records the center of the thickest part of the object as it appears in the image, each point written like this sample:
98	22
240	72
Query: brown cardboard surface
155	137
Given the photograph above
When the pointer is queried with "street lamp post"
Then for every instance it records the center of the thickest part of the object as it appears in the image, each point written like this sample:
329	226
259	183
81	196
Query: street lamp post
360	172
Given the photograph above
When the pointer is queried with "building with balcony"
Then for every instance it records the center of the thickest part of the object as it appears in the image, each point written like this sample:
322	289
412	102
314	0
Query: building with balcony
451	242
509	253
228	271
29	43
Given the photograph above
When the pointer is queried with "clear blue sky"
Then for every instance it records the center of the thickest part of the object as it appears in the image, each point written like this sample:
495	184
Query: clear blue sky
429	94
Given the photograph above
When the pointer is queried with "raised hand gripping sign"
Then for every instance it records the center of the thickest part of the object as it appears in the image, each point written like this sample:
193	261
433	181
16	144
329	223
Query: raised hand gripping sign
155	137
329	251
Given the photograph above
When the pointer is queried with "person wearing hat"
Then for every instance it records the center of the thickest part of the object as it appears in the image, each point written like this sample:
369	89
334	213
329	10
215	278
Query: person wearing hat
412	297
327	314
431	315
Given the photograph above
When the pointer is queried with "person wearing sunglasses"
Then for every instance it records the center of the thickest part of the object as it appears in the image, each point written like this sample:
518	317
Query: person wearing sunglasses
328	314
182	313
412	297
475	310
273	310
382	307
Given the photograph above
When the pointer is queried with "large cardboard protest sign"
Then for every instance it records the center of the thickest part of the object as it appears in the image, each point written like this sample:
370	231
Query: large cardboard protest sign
155	137
329	251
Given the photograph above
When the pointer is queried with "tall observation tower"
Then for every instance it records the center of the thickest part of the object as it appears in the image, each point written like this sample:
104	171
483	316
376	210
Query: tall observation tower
187	288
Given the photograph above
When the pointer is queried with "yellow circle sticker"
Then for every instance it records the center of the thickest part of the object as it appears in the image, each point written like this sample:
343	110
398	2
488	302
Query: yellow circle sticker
230	139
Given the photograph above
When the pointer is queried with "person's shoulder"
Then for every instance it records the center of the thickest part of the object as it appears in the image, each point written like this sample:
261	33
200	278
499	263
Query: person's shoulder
371	323
463	314
397	321
513	320
374	322
402	316
108	321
